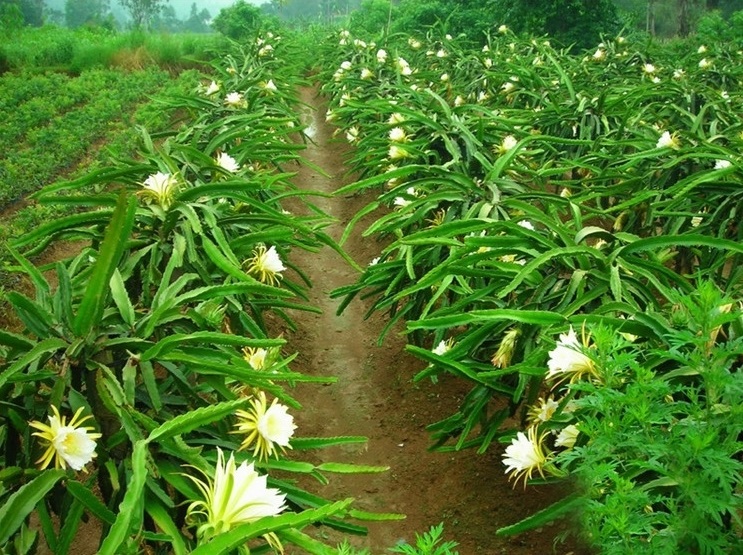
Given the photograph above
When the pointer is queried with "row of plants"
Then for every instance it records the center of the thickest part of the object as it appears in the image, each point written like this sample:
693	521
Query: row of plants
50	133
18	89
56	95
563	232
146	389
120	137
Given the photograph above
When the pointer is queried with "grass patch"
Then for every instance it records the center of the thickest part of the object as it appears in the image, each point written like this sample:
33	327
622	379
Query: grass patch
76	50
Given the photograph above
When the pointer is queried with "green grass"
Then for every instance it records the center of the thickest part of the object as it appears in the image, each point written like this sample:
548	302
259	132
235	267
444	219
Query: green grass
74	51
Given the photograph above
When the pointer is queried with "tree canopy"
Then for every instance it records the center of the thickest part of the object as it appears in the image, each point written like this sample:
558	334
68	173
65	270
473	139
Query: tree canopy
238	21
580	23
81	12
142	11
573	22
15	13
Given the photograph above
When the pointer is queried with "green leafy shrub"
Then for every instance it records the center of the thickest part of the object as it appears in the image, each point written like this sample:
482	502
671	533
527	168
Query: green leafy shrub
50	136
239	21
459	18
58	53
429	543
4	61
11	17
712	28
371	18
77	50
657	452
577	23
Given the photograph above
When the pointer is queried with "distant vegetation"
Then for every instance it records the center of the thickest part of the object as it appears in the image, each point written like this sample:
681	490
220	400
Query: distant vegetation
76	50
572	21
119	14
576	23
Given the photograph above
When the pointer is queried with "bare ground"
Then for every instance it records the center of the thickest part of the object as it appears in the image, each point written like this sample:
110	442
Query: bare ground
375	397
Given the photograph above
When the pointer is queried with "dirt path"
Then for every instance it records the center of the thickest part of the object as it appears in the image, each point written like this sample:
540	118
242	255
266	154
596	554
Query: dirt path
376	398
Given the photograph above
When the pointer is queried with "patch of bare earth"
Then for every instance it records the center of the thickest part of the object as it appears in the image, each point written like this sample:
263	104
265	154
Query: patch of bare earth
375	397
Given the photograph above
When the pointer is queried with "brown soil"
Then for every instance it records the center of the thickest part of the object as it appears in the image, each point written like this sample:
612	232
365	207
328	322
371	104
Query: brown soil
375	397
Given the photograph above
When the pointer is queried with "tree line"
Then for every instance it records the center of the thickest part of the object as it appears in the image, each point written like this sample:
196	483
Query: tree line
150	14
574	21
577	22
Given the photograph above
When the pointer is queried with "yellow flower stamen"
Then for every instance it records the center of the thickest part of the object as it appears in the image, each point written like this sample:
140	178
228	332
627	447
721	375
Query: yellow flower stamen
70	444
268	428
525	455
266	265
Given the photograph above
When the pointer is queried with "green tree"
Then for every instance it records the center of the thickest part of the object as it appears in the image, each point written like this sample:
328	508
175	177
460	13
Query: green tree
675	17
31	12
238	21
11	16
54	17
472	18
167	20
372	17
80	12
726	7
415	15
684	18
198	21
574	22
142	11
292	10
311	10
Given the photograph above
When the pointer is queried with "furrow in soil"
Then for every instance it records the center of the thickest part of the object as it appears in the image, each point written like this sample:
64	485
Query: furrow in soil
374	395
